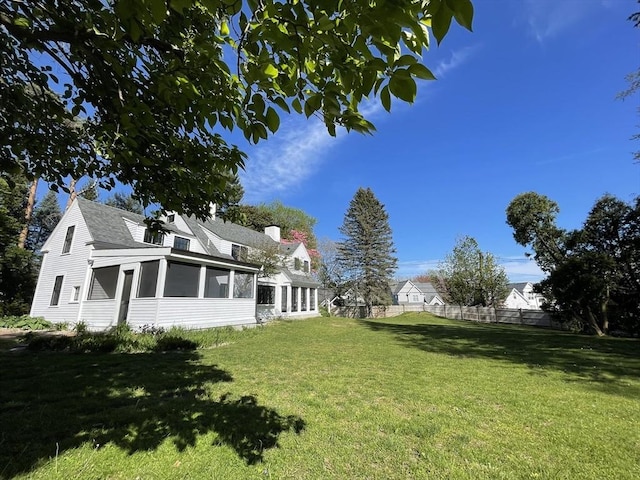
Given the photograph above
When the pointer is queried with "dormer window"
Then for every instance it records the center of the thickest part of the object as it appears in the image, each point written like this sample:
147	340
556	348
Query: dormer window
239	252
154	238
306	266
296	263
181	243
171	218
66	248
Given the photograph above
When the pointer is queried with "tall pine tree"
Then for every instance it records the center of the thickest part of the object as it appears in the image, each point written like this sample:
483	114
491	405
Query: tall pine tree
367	253
46	216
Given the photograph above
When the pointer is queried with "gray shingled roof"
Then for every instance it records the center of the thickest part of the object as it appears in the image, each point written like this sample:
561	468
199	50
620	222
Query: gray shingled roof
106	226
300	280
237	233
518	286
399	286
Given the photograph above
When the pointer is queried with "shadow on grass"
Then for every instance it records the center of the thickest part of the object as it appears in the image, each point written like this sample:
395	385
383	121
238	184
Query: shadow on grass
57	402
604	363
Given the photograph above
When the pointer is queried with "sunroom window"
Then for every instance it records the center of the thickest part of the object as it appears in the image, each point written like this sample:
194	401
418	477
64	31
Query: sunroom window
243	285
103	283
216	283
182	280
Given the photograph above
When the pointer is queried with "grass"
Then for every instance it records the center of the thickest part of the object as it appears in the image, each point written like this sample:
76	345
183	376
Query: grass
409	397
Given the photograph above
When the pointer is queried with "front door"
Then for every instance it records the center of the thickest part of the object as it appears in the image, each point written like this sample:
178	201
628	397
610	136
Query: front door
124	299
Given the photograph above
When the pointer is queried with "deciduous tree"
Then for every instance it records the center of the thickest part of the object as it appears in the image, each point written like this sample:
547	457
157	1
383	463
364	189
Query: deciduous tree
138	91
471	277
366	254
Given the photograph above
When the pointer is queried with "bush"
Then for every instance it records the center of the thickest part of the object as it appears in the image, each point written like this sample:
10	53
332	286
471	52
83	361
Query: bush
324	312
54	343
171	342
25	322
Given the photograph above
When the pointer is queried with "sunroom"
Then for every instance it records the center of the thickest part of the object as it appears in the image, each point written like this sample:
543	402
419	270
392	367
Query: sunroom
165	287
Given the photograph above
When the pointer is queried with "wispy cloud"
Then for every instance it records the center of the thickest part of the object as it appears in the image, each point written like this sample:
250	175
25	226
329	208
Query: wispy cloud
413	268
548	18
458	57
521	269
291	156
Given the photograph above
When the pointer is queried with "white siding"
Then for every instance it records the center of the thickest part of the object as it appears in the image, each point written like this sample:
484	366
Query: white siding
221	245
99	314
72	266
192	313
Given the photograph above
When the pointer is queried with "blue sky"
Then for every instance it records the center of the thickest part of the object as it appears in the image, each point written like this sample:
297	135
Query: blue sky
525	102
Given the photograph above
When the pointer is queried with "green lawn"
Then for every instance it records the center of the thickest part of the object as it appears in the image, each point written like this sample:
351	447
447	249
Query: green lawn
409	397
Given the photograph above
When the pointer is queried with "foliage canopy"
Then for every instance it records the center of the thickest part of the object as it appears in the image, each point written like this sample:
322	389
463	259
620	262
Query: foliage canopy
138	91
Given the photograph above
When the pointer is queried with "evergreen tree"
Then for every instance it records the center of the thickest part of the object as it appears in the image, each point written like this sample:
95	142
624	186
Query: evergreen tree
17	271
125	202
46	216
367	253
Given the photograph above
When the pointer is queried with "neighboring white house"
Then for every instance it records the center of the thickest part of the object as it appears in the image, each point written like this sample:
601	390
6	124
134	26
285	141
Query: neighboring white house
408	292
103	266
521	295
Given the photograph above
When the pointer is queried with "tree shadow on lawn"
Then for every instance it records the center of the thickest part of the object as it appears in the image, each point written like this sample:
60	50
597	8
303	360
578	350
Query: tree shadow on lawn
51	403
604	363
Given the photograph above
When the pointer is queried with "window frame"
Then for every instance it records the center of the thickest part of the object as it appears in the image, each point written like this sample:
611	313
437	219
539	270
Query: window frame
177	239
153	238
68	240
93	278
57	290
142	276
260	297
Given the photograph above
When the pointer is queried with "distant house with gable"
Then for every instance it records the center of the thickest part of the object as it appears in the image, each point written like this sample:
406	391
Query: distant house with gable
409	292
521	295
103	266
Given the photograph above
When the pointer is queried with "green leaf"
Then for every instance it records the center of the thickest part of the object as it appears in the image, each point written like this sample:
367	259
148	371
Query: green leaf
405	60
462	11
179	5
270	71
21	22
312	104
420	71
297	106
403	86
158	10
441	21
385	98
282	104
273	120
224	28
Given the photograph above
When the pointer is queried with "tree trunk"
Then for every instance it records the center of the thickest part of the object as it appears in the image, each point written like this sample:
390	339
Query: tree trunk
72	193
594	323
28	213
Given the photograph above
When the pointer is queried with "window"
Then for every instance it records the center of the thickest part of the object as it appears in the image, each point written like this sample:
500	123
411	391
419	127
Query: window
155	238
171	218
266	295
57	287
103	283
181	243
239	252
294	299
283	307
296	263
303	299
243	285
68	238
148	279
216	284
414	298
312	299
75	294
306	266
182	280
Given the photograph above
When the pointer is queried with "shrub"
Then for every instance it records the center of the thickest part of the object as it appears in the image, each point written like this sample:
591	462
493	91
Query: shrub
25	322
54	343
94	343
324	312
171	342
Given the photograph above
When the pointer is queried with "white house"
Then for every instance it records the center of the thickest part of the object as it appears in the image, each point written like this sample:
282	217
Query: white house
521	295
103	266
409	292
